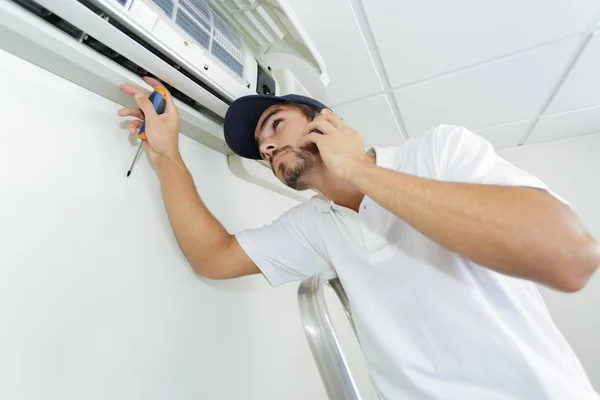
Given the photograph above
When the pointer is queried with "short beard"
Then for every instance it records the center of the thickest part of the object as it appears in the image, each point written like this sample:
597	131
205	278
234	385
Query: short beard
308	161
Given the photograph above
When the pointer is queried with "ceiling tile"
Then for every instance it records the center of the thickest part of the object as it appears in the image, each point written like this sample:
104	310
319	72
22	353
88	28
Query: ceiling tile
500	92
566	125
582	87
334	30
424	38
374	119
505	136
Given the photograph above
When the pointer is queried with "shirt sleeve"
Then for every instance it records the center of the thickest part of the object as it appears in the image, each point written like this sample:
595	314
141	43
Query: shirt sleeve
290	248
463	156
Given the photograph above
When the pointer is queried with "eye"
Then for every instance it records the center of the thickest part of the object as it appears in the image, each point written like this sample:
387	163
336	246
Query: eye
276	122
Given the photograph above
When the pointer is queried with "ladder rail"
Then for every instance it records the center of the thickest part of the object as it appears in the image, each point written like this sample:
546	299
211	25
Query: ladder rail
338	289
321	336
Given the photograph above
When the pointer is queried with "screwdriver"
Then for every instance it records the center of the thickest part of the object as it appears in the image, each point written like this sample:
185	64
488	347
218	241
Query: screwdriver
158	98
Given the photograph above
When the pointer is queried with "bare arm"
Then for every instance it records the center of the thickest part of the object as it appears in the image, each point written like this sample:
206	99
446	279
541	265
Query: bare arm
210	249
517	231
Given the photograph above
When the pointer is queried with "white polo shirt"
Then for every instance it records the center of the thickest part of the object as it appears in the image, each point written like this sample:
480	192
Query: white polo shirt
432	324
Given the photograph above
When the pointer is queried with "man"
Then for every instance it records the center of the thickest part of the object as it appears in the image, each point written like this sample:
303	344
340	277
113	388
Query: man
437	243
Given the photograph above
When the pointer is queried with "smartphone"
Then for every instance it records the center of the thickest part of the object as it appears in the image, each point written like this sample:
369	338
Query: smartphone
315	117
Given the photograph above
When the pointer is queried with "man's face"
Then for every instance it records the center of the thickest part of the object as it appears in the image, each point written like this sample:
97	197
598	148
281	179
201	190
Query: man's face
278	133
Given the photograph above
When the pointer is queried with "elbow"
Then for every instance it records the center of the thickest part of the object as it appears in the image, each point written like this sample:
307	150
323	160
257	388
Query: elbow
201	266
570	284
198	268
204	270
210	264
577	270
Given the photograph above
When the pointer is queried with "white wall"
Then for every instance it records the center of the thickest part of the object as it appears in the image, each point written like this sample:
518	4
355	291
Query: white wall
96	298
571	168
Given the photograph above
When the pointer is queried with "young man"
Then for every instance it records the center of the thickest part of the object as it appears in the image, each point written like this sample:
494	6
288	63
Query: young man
437	243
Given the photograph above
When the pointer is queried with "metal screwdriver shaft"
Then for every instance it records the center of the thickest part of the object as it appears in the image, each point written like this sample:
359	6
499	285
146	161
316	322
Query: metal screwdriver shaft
158	98
137	154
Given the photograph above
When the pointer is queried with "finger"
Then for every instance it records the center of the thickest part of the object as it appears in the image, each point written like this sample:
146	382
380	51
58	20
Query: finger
155	83
130	89
148	148
322	125
333	119
314	137
134	126
146	106
131	112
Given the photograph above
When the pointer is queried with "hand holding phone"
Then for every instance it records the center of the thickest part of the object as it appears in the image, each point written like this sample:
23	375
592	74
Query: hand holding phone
315	117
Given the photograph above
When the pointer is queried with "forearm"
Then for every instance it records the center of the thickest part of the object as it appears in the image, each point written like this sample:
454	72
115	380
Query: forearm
516	231
199	233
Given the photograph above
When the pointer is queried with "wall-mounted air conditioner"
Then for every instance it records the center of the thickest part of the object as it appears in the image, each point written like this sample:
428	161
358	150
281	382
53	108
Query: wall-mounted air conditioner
207	52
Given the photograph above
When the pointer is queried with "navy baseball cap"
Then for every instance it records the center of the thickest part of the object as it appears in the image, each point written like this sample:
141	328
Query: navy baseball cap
243	115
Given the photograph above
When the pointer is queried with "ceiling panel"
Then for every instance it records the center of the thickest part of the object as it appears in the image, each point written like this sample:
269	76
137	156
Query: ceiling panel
582	87
335	32
500	92
505	136
374	119
424	38
566	125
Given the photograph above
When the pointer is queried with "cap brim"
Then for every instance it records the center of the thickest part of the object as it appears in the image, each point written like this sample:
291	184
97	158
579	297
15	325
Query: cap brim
241	120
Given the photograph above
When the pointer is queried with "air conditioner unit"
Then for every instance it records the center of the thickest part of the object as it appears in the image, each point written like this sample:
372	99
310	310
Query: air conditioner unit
207	52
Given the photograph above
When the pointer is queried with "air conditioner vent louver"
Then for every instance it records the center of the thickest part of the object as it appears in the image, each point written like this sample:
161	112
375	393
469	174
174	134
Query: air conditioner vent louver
261	21
209	29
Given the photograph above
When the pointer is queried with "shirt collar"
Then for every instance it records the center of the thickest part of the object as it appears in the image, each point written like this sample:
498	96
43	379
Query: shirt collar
321	203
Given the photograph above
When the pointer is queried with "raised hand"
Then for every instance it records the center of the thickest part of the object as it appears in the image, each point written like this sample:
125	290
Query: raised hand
162	130
340	146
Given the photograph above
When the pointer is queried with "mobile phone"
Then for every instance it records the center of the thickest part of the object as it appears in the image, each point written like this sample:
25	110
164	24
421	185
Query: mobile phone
315	117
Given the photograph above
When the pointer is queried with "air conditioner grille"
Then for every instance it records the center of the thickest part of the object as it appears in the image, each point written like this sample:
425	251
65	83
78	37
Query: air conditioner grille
199	10
227	59
165	5
210	29
226	30
189	25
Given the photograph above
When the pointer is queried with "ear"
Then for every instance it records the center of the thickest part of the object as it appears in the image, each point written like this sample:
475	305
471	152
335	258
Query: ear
326	111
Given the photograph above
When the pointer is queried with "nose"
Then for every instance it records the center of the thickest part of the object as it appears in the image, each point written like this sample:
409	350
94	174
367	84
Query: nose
267	148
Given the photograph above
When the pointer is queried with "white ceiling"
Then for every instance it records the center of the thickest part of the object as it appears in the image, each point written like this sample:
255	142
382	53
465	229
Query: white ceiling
514	71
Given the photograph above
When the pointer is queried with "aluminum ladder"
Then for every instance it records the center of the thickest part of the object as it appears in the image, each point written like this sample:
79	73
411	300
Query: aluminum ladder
319	331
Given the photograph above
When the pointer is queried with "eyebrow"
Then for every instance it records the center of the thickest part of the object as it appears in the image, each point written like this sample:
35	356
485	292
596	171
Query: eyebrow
266	120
